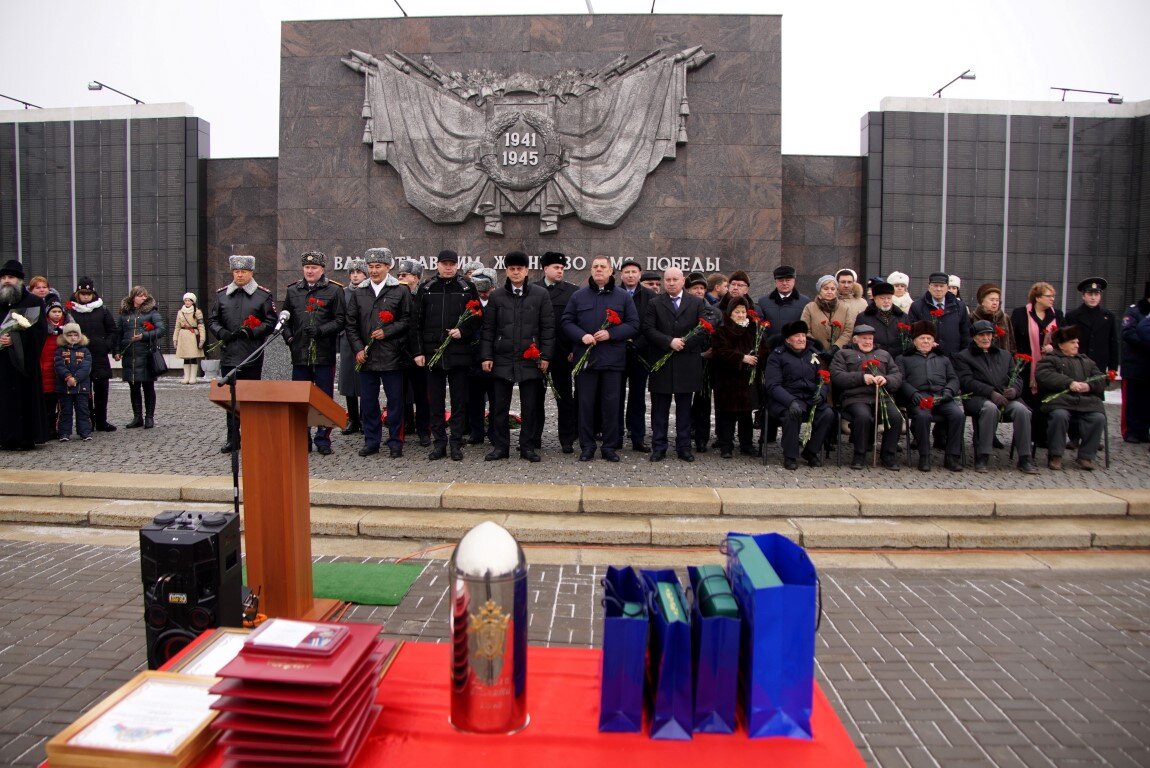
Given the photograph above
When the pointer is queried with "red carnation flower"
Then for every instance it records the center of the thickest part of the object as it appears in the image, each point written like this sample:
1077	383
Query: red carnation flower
474	305
68	306
753	315
836	324
613	317
1112	374
706	326
825	376
873	361
937	312
927	403
904	327
1020	357
532	352
148	326
251	321
999	331
765	323
386	317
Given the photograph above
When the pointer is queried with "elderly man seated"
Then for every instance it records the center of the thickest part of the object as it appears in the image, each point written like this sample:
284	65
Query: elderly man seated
985	372
930	384
859	371
1074	386
794	384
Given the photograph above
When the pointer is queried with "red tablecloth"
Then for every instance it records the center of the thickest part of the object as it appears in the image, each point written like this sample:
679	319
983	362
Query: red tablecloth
563	700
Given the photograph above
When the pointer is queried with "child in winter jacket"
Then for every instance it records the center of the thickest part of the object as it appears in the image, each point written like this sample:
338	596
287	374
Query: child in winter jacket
73	382
56	321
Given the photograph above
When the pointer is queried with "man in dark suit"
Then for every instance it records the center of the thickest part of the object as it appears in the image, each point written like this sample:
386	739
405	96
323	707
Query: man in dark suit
554	264
633	420
669	319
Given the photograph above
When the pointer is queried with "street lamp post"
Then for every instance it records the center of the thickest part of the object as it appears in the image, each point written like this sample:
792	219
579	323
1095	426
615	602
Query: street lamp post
967	75
1114	97
20	101
96	85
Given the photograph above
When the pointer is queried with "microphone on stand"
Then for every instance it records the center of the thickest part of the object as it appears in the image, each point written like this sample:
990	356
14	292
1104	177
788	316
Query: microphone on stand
284	316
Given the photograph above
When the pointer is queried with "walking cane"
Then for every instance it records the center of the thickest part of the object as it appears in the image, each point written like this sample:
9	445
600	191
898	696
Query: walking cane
874	458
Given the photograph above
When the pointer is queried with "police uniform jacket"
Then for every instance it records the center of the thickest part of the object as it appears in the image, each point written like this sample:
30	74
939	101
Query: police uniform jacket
930	374
848	375
586	313
683	372
317	314
791	376
1056	371
1098	338
984	373
560	293
953	327
1136	341
233	306
438	304
392	352
511	324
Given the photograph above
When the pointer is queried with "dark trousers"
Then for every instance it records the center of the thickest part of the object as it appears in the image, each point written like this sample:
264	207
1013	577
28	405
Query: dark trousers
986	420
660	421
1136	408
100	401
604	387
701	417
791	422
949	413
1090	425
369	386
143	397
52	414
438	380
323	376
725	425
79	404
529	400
250	372
480	401
565	404
417	411
861	417
635	417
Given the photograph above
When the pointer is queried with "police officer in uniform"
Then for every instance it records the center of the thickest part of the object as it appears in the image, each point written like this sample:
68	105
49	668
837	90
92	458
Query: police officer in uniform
1098	326
317	318
236	302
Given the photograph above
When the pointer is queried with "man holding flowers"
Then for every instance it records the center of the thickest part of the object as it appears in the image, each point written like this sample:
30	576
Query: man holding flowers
598	320
518	345
377	324
797	392
864	376
676	328
931	386
991	376
1071	387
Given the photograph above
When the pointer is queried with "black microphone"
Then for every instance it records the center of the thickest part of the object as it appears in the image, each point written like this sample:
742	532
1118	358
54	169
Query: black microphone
283	318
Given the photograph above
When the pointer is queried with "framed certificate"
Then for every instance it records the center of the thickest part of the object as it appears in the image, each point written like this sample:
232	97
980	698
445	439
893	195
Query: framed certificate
155	719
207	658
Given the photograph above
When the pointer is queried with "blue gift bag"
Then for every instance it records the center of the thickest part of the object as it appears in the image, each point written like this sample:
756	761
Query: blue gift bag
714	665
669	693
777	639
625	630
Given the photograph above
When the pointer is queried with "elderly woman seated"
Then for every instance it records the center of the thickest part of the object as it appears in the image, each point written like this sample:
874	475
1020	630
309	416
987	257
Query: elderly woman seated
1071	387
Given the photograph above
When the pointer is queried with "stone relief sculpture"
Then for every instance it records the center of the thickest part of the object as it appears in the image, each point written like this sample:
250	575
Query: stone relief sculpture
490	144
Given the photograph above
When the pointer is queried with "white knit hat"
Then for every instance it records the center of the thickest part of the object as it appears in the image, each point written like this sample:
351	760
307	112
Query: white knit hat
954	282
898	278
190	295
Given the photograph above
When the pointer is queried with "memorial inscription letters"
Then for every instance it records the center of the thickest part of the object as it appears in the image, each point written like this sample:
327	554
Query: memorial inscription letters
490	144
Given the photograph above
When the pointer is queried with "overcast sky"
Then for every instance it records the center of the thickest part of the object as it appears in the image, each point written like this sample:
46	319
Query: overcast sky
839	58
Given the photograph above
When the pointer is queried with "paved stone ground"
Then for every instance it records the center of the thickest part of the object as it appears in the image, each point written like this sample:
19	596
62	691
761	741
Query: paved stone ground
925	668
190	430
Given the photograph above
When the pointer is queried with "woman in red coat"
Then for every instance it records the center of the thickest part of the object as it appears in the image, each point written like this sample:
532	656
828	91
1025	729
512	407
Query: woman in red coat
56	320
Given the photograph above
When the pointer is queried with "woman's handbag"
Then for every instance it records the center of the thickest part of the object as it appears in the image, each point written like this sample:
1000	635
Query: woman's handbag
157	362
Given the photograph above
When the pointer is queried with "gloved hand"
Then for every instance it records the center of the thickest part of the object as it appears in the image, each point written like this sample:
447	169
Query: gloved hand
919	397
247	333
797	409
998	399
229	336
1010	393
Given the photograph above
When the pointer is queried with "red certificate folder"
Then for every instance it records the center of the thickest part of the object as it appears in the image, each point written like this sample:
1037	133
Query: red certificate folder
289	670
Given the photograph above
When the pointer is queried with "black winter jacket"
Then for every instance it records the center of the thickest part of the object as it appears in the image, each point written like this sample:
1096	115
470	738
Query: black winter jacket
136	355
393	351
1136	341
1056	371
886	333
930	374
984	373
317	314
1098	338
560	293
511	324
226	322
791	376
438	304
98	324
953	327
847	374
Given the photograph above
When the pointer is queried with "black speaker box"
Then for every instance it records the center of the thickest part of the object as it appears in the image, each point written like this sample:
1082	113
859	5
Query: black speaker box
190	564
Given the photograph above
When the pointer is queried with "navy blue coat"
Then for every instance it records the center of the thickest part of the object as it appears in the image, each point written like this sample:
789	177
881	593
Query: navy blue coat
781	311
587	311
791	376
953	327
1136	341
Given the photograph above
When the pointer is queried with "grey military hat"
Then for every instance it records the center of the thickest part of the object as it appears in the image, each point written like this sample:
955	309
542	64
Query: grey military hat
484	279
379	256
239	261
357	265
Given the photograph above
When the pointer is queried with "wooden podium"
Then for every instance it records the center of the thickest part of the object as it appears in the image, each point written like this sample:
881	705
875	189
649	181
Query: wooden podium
277	505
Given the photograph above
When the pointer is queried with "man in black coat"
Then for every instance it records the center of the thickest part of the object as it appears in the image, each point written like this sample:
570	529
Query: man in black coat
317	318
439	303
377	325
633	417
671	316
96	322
783	305
793	382
560	292
1097	326
984	372
22	425
930	385
946	311
480	383
518	343
885	317
242	317
1136	370
855	384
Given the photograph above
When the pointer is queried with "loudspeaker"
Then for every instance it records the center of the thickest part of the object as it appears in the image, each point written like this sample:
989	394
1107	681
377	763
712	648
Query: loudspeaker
190	564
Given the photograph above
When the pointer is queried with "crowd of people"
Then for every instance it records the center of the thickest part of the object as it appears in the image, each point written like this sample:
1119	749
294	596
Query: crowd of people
449	350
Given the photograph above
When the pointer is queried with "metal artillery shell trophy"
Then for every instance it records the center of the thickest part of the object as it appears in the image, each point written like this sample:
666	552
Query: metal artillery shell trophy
488	575
489	144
